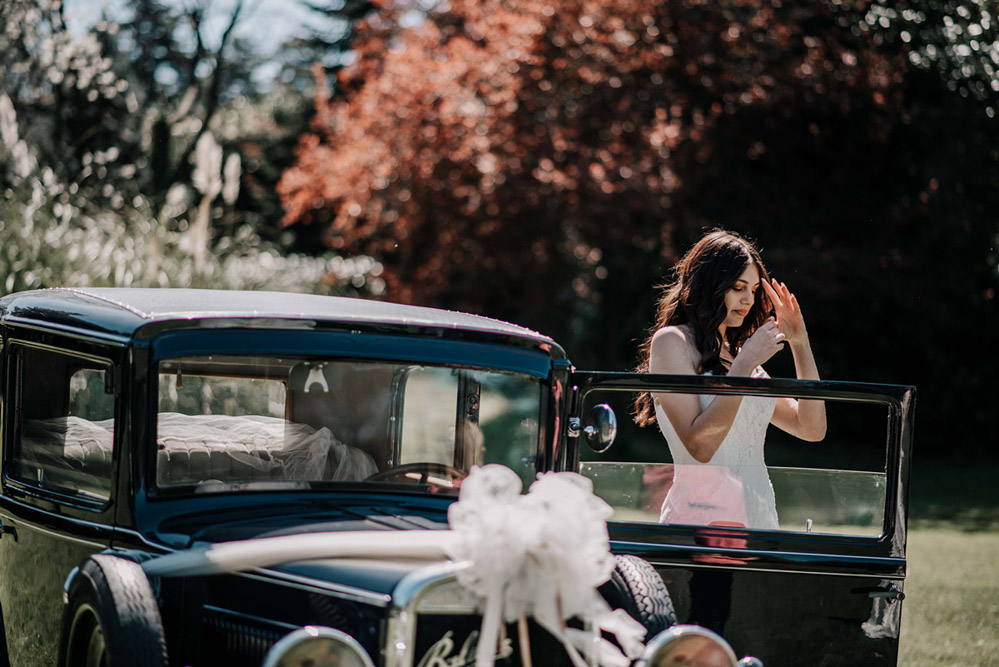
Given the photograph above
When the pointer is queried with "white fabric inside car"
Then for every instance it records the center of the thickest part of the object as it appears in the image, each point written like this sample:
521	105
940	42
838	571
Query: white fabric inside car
68	452
202	448
197	448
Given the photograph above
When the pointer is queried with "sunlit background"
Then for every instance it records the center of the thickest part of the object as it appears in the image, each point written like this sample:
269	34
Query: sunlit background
545	163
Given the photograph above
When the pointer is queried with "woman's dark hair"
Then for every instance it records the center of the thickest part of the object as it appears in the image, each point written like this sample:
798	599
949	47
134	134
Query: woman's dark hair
697	297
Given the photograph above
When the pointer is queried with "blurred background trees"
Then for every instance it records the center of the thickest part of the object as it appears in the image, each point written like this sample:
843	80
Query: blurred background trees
143	149
541	163
549	164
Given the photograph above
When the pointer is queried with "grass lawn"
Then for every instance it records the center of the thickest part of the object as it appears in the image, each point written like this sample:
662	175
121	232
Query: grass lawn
951	610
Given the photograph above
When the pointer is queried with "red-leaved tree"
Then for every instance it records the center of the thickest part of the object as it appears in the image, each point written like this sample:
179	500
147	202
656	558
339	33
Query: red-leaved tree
538	162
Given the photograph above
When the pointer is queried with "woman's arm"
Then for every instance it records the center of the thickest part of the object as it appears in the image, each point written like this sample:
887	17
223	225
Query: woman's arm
805	419
702	431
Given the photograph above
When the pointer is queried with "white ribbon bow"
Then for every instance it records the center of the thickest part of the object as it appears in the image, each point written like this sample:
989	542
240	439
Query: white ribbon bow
542	554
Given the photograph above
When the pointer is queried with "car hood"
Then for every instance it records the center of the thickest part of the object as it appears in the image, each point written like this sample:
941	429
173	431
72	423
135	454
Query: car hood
372	575
192	523
383	544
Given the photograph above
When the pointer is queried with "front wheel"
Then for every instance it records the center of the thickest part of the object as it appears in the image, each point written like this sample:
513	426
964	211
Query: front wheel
636	587
112	619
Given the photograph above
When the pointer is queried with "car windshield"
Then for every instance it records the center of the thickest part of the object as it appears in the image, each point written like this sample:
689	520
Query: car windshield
226	421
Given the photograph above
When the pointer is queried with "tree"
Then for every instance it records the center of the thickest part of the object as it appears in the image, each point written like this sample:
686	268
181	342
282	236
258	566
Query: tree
548	166
87	130
552	150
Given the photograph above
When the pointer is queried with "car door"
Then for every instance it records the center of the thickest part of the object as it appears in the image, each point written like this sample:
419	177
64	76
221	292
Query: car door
56	502
823	586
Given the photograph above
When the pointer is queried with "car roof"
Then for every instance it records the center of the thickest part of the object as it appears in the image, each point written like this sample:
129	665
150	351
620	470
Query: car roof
142	312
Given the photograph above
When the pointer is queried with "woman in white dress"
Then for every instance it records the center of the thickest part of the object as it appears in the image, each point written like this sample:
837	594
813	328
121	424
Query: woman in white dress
723	315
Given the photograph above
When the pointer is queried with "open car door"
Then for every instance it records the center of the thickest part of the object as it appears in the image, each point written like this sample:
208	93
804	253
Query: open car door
821	587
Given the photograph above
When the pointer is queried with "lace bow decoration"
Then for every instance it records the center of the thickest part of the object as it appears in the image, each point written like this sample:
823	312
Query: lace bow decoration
542	554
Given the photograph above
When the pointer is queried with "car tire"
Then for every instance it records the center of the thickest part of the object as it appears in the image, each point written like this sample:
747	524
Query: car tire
636	587
112	617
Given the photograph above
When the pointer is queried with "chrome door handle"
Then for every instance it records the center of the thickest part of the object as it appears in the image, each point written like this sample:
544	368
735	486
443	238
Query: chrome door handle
887	592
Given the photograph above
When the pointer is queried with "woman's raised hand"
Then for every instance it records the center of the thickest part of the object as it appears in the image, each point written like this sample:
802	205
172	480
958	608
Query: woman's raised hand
765	342
789	317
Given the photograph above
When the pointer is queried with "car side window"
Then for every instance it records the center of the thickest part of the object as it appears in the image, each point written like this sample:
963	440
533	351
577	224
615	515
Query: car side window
760	477
65	423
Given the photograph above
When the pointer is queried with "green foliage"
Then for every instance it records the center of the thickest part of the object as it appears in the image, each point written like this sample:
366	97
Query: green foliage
51	237
111	171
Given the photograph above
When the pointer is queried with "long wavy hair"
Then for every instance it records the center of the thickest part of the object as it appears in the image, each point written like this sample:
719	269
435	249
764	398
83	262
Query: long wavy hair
697	297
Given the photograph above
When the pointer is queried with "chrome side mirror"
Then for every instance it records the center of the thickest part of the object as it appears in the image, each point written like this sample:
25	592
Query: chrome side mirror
691	646
601	428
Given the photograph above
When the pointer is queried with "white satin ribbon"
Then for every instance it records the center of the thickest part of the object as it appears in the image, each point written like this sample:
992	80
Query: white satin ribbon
267	551
542	554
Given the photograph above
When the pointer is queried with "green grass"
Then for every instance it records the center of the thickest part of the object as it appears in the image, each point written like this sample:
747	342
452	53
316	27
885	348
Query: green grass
951	610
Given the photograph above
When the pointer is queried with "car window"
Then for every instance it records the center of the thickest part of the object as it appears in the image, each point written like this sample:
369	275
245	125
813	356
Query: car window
225	420
759	478
66	423
220	395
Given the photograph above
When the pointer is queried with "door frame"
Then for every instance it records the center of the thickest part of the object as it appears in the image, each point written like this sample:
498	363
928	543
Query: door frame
881	556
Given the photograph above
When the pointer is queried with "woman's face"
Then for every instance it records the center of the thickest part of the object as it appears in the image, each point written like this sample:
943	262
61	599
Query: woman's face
741	297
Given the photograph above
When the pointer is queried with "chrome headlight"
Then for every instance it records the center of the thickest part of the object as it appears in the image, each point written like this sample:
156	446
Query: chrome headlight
315	646
691	646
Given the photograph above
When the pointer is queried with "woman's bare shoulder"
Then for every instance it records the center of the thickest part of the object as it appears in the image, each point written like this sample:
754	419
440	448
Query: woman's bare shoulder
673	335
673	347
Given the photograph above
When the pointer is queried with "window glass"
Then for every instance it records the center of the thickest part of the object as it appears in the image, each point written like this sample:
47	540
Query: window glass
510	422
429	415
760	477
210	395
450	414
66	423
226	420
88	397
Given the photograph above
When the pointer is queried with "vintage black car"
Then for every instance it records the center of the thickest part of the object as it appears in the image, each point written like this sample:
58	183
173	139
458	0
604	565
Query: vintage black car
139	422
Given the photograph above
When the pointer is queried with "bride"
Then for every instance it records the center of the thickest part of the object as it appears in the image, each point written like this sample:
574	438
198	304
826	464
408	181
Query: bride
723	315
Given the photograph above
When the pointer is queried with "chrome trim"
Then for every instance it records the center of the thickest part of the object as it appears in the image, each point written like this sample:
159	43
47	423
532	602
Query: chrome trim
663	639
90	335
141	537
656	551
63	498
401	626
416	584
250	617
312	585
62	350
776	570
310	633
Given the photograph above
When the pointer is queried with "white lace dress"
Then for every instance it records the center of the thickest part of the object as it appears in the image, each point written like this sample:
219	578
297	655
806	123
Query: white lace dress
733	487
